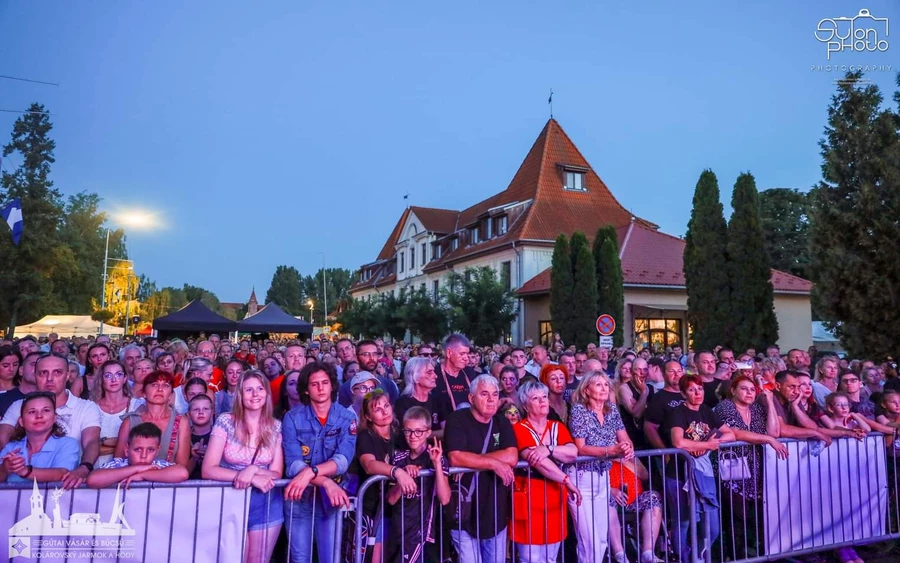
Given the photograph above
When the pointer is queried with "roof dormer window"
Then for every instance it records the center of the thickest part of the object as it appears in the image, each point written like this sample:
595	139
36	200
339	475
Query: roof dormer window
474	235
574	181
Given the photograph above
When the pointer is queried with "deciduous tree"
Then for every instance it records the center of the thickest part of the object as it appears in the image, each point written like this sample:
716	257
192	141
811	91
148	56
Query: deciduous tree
286	290
480	305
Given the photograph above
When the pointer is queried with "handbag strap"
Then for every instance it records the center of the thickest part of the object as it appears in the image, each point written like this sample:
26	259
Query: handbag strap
174	438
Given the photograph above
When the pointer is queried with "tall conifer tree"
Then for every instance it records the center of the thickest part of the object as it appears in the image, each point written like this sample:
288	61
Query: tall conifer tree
705	265
610	287
855	228
584	292
752	319
561	285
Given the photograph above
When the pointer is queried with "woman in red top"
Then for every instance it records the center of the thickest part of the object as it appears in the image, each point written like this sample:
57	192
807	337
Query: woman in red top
539	496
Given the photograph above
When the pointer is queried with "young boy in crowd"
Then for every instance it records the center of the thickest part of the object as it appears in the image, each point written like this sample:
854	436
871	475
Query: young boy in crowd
200	413
141	463
417	512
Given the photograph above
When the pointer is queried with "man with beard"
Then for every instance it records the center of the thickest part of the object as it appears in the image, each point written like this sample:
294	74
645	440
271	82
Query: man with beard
368	356
453	372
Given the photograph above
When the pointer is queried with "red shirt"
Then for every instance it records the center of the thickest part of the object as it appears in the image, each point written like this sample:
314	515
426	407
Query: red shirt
275	384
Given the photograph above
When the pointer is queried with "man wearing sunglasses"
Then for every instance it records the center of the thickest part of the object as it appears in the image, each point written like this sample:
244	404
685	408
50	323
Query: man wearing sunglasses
78	417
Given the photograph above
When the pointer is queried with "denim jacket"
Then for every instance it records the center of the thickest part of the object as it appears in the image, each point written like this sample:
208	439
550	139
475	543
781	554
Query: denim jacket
306	442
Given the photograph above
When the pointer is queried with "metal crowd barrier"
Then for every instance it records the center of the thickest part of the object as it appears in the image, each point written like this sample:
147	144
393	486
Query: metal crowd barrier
818	499
629	527
196	521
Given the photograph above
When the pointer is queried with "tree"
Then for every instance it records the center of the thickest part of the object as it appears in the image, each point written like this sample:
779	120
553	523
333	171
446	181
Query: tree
705	262
584	292
854	228
388	317
286	290
339	282
784	213
426	316
610	282
561	286
27	270
753	322
207	297
480	306
358	318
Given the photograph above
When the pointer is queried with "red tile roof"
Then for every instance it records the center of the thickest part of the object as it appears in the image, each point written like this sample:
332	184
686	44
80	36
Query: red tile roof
653	258
439	221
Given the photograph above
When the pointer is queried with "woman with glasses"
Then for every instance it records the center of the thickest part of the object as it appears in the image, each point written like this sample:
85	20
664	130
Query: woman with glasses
38	448
375	444
175	446
112	394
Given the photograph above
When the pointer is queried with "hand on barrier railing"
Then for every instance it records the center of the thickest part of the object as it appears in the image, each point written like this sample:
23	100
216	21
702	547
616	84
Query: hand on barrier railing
263	482
781	450
138	477
406	481
336	494
573	491
244	477
504	471
298	484
536	454
625	450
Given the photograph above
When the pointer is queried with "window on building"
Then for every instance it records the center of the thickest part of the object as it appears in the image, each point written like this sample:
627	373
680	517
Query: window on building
657	334
424	253
402	261
473	235
437	252
489	229
422	287
575	181
506	274
412	258
454	244
501	225
436	288
468	275
546	330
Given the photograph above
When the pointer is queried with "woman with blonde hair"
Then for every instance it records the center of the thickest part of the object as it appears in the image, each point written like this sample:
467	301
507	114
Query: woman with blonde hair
245	448
598	431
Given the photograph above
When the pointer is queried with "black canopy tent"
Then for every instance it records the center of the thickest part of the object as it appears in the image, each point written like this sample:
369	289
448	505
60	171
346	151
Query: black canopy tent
273	319
193	318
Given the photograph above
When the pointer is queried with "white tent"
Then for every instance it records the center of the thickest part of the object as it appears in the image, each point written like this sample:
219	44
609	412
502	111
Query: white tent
66	326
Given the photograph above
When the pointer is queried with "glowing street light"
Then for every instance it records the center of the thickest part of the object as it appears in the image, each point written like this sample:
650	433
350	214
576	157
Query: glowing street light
136	219
310	303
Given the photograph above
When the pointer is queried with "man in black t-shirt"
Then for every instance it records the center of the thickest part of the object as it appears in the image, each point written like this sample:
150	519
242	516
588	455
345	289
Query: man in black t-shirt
453	374
480	439
661	403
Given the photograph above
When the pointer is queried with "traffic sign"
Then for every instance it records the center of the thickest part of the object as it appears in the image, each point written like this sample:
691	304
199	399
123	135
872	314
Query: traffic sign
606	325
606	342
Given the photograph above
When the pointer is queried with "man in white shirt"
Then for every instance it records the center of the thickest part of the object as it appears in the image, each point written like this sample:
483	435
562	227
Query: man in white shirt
539	357
79	418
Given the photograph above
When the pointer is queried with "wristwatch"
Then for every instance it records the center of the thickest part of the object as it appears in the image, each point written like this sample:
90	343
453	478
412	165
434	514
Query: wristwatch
315	471
30	469
550	449
89	465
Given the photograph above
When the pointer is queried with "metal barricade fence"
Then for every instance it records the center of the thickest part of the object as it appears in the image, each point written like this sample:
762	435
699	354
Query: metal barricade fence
196	521
534	516
816	499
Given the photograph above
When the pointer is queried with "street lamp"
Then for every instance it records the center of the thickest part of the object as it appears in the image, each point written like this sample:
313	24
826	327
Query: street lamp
324	291
136	219
310	303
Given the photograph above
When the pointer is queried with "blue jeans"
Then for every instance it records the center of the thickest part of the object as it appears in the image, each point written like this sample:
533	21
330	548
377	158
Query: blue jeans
473	550
307	521
680	517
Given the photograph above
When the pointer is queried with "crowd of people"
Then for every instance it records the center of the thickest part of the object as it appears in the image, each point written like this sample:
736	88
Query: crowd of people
329	416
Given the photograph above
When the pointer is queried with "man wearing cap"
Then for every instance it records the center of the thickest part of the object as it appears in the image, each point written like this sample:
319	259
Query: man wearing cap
362	384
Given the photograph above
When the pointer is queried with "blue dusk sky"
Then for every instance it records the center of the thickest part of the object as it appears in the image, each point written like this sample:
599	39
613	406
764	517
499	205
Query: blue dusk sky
264	133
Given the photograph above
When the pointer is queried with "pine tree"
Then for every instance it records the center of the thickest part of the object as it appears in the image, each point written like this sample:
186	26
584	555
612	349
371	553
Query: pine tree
752	308
705	262
27	270
561	286
584	292
610	285
855	258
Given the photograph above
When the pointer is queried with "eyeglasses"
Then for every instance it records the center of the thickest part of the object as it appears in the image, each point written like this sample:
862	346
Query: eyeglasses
416	433
114	375
365	389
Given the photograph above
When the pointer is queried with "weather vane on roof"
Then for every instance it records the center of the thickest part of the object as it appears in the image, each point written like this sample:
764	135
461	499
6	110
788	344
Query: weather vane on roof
550	101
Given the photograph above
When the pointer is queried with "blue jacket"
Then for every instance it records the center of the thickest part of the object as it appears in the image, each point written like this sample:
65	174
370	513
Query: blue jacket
306	442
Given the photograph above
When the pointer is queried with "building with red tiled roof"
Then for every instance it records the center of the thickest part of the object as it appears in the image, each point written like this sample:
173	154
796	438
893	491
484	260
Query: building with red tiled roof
554	191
